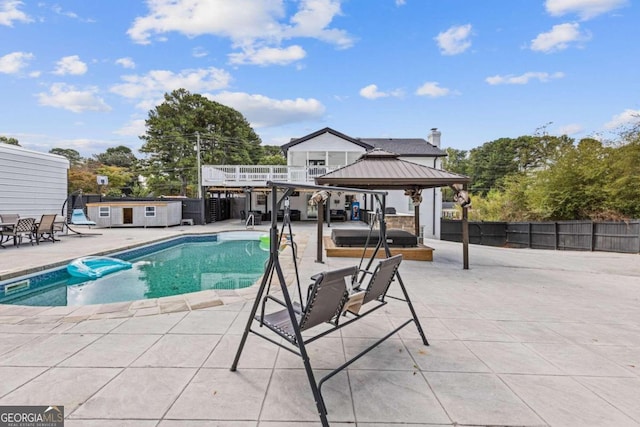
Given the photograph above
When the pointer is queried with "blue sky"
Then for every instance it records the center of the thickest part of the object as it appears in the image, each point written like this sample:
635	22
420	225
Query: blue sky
84	74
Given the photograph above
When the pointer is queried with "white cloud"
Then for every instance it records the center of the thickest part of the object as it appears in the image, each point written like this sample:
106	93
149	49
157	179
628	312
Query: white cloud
522	79
627	117
312	20
126	62
150	87
58	10
570	129
70	65
400	2
432	89
10	12
251	26
240	20
372	92
69	98
268	56
87	145
135	127
14	62
199	52
586	9
455	40
45	141
262	111
559	38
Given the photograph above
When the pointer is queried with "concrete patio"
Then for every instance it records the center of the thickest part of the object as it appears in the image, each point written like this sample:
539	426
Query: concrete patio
523	338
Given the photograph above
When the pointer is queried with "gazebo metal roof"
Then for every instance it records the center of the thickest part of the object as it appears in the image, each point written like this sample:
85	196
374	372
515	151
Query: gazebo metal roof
379	169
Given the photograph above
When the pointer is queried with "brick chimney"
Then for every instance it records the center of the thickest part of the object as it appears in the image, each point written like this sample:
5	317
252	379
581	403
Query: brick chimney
434	137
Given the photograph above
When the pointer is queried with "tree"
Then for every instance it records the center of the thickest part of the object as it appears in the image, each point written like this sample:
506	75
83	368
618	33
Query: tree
82	179
491	162
72	155
118	178
120	156
511	203
272	155
10	141
573	187
456	161
173	130
623	185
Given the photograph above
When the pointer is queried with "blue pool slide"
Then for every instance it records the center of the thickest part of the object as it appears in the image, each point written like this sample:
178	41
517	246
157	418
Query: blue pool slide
93	267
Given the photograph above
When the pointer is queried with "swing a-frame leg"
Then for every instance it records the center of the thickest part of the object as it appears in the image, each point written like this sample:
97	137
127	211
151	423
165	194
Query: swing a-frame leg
327	302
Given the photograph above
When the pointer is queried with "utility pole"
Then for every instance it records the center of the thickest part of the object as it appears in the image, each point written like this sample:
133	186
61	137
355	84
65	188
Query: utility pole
199	167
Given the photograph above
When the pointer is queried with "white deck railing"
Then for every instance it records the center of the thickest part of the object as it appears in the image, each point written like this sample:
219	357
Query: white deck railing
253	175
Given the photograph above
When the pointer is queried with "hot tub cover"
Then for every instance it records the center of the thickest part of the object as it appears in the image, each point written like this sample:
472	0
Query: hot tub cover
358	237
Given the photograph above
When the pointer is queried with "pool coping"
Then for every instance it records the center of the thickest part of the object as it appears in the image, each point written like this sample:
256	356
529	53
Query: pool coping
22	314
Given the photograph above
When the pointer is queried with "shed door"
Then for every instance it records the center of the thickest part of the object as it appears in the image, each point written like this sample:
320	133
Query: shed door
127	215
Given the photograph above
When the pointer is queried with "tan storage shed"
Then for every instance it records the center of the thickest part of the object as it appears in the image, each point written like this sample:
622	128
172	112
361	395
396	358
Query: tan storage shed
135	214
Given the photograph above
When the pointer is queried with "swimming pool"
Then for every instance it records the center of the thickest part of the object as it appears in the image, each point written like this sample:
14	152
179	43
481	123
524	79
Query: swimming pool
231	260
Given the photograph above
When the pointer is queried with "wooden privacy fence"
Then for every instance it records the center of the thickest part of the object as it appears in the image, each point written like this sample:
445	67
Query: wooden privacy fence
563	235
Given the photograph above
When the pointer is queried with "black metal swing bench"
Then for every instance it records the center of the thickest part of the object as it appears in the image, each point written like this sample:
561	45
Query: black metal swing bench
328	301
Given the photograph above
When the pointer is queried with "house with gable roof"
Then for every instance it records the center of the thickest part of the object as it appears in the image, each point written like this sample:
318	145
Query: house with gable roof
324	151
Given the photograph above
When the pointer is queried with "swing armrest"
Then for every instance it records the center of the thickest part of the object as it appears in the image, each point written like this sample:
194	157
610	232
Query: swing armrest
296	308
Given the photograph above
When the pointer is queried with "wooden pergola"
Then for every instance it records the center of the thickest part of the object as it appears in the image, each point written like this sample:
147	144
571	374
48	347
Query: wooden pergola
381	170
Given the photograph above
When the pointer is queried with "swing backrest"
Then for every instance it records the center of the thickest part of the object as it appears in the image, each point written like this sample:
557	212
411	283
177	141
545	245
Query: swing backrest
382	277
327	297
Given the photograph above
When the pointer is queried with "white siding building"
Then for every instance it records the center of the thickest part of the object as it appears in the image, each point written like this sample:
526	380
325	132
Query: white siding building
31	183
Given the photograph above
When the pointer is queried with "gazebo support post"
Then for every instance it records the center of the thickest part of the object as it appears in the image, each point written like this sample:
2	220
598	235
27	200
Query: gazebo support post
416	220
465	235
320	220
416	198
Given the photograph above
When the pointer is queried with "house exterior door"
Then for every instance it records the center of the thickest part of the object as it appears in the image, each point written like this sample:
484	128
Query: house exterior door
127	215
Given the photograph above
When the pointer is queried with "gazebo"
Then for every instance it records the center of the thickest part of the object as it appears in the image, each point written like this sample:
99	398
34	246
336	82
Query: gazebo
381	170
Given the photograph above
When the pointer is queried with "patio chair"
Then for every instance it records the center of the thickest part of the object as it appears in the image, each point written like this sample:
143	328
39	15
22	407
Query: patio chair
24	227
377	287
44	229
9	221
59	224
79	218
325	301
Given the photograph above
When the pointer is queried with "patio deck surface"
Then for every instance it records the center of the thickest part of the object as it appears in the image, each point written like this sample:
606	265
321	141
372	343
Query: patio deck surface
524	337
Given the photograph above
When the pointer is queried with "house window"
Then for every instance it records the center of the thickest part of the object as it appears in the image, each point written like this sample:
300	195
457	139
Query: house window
104	211
150	211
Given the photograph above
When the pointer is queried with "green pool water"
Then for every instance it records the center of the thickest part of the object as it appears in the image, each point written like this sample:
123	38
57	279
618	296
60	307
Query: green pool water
184	268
